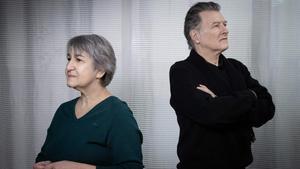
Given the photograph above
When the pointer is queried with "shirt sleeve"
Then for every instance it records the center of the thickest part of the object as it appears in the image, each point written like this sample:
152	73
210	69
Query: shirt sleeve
218	112
41	155
125	140
239	108
263	109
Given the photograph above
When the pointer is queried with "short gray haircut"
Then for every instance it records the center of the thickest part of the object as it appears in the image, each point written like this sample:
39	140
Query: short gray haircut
101	52
193	19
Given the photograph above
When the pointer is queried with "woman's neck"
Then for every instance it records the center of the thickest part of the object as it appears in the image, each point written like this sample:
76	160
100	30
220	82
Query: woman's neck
94	97
89	98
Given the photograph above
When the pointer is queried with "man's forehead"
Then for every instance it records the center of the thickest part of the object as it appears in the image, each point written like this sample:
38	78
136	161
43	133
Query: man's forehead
212	16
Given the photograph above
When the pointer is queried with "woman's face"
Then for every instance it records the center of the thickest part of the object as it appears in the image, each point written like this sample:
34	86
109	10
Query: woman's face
80	71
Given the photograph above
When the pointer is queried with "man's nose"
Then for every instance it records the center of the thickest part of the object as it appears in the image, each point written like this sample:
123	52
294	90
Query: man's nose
225	29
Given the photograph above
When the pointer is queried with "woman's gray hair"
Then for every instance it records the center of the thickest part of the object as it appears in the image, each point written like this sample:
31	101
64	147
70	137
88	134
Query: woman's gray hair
101	52
193	19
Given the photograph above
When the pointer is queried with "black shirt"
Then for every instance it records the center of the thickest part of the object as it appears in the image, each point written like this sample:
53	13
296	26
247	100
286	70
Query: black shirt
216	133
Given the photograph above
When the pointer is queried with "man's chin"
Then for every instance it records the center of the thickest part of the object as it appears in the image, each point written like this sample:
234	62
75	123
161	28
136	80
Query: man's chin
225	48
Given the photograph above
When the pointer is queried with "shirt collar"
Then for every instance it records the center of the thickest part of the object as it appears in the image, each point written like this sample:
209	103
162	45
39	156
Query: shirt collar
199	61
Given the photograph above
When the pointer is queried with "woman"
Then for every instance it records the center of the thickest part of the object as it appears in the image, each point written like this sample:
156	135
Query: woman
95	130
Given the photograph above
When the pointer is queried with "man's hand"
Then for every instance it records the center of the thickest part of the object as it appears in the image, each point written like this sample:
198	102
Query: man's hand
206	90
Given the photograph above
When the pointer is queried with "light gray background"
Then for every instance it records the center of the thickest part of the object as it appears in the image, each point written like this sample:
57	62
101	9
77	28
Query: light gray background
147	37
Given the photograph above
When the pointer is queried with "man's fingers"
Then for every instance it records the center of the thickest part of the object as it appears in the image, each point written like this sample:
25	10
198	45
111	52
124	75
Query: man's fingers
205	89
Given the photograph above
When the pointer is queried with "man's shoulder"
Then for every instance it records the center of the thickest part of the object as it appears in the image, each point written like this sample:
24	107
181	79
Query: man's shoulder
236	63
233	61
180	64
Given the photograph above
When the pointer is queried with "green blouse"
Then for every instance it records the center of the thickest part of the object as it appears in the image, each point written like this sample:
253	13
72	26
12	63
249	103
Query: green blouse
107	136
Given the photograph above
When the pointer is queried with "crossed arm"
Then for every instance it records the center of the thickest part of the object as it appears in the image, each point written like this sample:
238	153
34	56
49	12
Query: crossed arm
252	106
206	90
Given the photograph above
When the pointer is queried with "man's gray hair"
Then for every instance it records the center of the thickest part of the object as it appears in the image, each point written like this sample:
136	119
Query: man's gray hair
101	52
193	19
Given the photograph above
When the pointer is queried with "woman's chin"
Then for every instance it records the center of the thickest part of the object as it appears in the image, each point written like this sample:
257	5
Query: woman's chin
71	85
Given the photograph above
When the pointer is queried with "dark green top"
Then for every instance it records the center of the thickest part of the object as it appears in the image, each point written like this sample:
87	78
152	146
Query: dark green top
107	136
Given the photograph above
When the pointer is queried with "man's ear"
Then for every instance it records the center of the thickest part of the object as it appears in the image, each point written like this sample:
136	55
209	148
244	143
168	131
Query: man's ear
195	36
100	74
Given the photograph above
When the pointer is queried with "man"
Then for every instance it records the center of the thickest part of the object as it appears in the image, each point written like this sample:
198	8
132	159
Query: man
216	100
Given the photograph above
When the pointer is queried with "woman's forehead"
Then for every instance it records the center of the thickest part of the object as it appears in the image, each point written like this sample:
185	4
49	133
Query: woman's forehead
77	52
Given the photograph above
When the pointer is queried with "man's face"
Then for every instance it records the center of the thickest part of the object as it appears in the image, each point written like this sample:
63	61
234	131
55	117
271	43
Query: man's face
213	33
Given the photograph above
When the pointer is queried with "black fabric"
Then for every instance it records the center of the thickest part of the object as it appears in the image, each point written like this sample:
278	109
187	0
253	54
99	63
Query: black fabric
216	132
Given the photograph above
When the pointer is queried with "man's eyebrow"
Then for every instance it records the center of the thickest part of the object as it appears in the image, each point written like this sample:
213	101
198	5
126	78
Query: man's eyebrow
217	22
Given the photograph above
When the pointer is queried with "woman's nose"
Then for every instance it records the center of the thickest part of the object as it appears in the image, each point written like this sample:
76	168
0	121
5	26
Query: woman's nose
70	65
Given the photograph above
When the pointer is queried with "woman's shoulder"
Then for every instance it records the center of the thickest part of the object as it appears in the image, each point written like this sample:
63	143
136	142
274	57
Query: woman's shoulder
118	105
122	114
66	108
69	103
120	110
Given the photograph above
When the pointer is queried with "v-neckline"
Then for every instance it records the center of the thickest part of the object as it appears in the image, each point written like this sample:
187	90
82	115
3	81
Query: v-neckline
91	110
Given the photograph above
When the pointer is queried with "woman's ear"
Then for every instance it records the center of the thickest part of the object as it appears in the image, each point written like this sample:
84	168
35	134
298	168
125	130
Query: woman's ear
100	74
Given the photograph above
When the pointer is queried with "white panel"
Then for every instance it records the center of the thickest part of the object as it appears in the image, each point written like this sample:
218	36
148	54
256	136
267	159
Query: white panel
148	38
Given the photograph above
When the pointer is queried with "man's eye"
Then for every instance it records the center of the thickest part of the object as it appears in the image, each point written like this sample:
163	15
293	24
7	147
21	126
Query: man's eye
216	25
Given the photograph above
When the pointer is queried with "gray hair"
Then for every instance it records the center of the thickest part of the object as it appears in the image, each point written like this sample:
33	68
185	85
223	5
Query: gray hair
193	19
101	52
